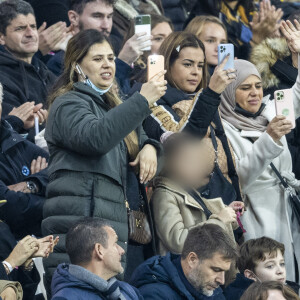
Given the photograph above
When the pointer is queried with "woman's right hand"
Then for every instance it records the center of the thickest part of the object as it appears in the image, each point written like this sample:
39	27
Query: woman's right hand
227	215
154	89
221	78
22	251
279	127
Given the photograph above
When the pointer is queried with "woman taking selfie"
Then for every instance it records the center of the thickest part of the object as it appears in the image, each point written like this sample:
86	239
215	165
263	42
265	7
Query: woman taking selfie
97	144
189	105
257	136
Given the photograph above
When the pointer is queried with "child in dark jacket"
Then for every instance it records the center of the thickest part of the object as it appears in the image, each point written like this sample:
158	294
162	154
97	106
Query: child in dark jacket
260	260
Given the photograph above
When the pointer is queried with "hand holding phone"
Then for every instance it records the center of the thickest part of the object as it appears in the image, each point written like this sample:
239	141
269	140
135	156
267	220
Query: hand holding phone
143	25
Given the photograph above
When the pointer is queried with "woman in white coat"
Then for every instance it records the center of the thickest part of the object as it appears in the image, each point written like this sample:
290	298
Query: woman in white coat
257	136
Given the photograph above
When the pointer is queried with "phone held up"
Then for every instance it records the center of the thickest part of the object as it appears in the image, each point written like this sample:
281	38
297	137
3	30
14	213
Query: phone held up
284	104
155	64
143	24
223	51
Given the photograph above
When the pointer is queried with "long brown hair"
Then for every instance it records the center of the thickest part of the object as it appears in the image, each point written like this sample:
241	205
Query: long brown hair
259	291
196	25
169	50
77	49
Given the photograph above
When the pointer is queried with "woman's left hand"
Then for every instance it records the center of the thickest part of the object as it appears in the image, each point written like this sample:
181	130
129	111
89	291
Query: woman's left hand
291	34
238	206
147	162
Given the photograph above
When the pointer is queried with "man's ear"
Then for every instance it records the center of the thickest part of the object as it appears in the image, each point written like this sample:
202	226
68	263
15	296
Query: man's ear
192	259
73	18
99	251
2	40
250	275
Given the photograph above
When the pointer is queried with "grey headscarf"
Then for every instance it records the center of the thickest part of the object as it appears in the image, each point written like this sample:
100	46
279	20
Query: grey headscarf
227	107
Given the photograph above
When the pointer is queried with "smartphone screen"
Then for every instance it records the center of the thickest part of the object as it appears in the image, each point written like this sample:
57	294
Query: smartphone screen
285	105
155	64
223	50
143	24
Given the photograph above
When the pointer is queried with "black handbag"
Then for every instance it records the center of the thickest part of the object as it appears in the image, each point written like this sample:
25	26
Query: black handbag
293	197
218	185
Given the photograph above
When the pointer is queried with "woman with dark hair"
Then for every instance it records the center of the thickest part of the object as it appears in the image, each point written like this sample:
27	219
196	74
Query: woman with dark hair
245	27
192	106
97	146
269	290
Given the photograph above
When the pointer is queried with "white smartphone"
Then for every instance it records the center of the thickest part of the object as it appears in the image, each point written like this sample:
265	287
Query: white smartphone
285	105
143	24
223	50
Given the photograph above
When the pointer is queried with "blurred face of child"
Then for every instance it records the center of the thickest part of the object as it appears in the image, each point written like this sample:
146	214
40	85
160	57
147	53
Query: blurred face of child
272	268
188	165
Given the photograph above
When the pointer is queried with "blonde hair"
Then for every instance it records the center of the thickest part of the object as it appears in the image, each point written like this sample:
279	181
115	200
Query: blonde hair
197	24
77	49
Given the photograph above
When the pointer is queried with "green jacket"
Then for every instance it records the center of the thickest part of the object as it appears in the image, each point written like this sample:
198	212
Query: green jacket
88	163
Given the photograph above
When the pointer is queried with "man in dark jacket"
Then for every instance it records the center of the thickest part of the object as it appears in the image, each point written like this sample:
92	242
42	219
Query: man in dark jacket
24	77
92	14
197	274
23	181
95	261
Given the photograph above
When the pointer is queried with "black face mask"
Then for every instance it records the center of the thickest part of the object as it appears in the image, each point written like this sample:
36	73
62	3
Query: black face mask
248	114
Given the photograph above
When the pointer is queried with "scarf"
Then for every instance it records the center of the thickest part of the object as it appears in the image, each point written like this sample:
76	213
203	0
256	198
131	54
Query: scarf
231	112
108	288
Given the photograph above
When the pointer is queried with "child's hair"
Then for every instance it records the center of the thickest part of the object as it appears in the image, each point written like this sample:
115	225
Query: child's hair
259	291
256	250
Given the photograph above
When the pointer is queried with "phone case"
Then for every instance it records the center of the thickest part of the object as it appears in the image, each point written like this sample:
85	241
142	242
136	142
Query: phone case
223	50
285	105
155	64
143	24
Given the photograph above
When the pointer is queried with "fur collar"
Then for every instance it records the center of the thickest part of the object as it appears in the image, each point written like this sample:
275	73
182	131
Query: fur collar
125	9
265	55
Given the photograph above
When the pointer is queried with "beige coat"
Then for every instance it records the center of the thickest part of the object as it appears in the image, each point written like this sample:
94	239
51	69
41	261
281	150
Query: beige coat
16	286
175	212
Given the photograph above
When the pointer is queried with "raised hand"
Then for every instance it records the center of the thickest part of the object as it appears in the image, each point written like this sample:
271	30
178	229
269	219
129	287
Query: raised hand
266	22
291	34
221	78
154	89
133	48
53	38
46	246
279	127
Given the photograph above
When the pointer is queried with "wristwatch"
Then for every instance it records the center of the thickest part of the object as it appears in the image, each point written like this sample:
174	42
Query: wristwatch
32	187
